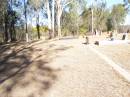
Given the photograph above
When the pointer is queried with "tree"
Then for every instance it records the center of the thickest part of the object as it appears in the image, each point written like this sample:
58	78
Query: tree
85	25
53	18
4	18
100	15
61	4
9	20
59	13
36	5
12	17
48	14
26	25
104	19
70	18
118	15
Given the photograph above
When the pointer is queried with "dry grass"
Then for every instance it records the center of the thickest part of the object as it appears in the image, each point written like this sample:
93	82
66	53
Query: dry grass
118	53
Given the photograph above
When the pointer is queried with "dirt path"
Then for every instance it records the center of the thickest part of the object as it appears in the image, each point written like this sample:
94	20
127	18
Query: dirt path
86	75
67	69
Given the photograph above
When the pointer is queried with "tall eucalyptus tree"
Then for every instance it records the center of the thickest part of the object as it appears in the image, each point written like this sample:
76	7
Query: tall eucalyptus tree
53	18
61	4
26	20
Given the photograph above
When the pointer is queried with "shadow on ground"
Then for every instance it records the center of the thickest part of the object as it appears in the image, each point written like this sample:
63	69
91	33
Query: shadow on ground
24	70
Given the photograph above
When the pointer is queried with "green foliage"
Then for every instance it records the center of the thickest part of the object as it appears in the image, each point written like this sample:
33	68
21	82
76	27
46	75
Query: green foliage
65	31
70	20
43	29
86	20
109	24
103	18
82	30
100	16
118	15
3	10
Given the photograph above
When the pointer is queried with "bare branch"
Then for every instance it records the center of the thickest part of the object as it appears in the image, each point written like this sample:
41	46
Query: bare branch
68	3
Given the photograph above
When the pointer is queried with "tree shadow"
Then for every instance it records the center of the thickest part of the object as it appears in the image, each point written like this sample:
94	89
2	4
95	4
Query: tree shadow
24	72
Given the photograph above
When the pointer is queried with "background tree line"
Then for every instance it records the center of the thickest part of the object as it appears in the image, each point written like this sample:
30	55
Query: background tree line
24	19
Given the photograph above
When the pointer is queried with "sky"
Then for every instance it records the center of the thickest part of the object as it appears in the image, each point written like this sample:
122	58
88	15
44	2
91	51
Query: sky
110	3
113	2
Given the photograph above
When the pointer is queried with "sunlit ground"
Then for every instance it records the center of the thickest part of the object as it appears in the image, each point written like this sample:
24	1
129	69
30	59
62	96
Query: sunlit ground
62	68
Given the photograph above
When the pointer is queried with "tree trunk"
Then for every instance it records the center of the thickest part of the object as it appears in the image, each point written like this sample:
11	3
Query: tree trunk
92	22
59	26
53	18
6	29
12	23
26	25
38	26
7	34
59	12
12	31
48	14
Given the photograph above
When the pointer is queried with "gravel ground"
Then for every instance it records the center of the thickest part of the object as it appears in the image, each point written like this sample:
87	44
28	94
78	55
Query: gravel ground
120	54
65	68
83	74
